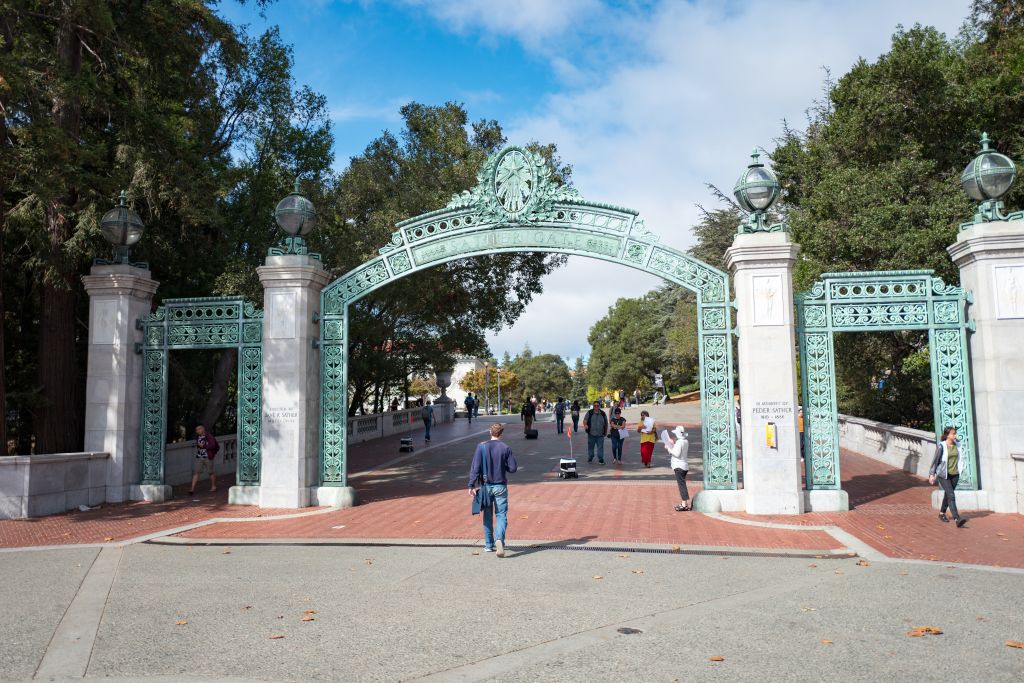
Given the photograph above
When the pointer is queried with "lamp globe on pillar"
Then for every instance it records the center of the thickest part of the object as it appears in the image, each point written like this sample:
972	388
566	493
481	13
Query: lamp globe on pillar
756	191
122	227
986	179
296	216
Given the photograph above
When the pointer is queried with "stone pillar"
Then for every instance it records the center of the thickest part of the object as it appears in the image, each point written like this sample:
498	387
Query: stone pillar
762	267
991	261
119	295
291	382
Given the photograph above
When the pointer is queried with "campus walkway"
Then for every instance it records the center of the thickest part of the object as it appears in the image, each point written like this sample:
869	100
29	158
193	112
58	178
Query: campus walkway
421	497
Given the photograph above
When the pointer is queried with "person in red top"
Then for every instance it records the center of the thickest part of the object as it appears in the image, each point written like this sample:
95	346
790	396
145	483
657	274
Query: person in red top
206	451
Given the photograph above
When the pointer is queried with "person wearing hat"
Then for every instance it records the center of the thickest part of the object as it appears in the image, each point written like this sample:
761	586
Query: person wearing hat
678	446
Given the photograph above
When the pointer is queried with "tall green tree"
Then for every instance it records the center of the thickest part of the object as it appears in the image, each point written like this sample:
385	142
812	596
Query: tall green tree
544	375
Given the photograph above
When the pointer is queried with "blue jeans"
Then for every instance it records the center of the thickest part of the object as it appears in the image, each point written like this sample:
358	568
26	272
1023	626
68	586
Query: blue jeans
559	421
617	449
595	441
426	426
499	508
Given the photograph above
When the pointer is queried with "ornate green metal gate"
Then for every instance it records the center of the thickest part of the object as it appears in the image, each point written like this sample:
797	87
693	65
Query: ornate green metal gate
877	301
517	207
205	323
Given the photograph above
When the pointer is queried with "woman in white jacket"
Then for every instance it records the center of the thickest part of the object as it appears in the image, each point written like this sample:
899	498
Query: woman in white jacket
678	448
946	469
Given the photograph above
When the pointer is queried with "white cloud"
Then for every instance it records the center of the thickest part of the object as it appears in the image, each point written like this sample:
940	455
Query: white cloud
696	90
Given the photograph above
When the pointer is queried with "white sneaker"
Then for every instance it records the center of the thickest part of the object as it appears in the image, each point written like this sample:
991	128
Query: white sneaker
488	550
500	545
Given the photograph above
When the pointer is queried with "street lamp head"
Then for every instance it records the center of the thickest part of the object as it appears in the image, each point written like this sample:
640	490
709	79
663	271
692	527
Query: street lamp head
758	188
122	227
990	174
295	214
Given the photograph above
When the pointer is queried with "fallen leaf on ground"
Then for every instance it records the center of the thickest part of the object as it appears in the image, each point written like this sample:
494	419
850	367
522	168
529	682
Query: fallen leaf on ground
308	619
863	563
623	555
1014	643
638	571
181	622
276	636
280	616
981	618
310	611
597	576
108	538
924	631
903	573
475	552
826	642
247	607
808	609
524	517
887	536
716	658
725	558
1000	533
881	526
226	552
676	549
838	571
813	566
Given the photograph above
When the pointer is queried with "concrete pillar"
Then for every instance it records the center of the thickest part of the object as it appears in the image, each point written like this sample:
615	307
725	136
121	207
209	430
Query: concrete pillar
991	261
118	296
762	267
291	381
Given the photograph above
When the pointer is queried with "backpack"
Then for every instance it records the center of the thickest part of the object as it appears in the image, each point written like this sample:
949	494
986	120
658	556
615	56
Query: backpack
560	409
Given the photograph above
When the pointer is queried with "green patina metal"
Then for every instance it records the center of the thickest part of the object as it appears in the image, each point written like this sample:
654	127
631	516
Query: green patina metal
882	301
516	206
203	323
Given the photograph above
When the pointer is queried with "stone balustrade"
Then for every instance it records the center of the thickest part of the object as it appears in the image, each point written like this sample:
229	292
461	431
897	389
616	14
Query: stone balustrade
377	425
910	450
37	485
180	456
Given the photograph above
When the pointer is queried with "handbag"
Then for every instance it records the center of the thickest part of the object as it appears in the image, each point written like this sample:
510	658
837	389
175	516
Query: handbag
482	498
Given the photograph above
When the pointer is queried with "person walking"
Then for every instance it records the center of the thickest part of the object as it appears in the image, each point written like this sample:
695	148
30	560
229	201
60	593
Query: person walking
618	422
645	427
574	413
527	415
595	424
427	415
678	447
946	469
476	406
494	458
468	402
206	453
560	415
636	396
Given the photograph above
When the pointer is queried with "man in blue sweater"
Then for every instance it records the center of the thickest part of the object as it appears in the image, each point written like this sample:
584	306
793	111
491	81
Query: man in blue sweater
499	461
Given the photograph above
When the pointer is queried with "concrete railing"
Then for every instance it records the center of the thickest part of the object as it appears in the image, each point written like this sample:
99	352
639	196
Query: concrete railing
181	456
910	450
37	485
367	427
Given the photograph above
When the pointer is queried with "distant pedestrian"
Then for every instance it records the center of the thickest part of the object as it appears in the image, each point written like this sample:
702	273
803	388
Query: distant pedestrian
946	469
560	415
618	422
636	396
496	459
595	424
394	404
468	402
206	454
574	413
678	447
645	427
476	406
527	415
427	415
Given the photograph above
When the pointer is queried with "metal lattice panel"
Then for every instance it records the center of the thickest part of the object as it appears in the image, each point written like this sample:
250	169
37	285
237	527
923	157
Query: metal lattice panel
878	301
517	207
202	323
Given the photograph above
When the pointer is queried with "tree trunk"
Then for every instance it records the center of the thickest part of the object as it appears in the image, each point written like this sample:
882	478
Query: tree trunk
219	391
58	423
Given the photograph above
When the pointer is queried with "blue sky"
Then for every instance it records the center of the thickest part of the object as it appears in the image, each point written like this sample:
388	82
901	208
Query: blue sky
647	99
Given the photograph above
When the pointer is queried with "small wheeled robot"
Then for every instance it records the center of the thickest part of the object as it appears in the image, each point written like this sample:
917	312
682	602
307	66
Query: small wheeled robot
405	446
567	468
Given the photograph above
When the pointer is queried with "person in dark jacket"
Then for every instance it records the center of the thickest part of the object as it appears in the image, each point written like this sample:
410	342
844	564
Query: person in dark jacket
559	415
595	424
527	415
946	470
574	413
206	452
500	461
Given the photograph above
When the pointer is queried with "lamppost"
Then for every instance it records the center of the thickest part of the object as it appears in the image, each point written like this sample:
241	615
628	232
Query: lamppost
498	368
756	191
122	227
988	177
296	216
487	387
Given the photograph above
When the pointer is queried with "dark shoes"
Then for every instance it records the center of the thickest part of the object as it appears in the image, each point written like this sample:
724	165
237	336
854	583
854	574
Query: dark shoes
960	522
943	517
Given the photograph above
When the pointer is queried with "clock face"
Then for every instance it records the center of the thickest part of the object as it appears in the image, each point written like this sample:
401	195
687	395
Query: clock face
514	181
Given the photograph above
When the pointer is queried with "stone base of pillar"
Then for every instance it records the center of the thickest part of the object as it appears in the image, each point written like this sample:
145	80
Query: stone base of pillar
244	495
334	496
774	500
283	497
119	494
720	501
826	501
153	493
968	501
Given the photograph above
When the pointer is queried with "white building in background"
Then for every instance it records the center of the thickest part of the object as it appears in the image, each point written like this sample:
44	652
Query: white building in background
463	365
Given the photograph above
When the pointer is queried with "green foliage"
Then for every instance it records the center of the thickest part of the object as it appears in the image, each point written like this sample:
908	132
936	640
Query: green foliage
543	375
474	381
579	380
